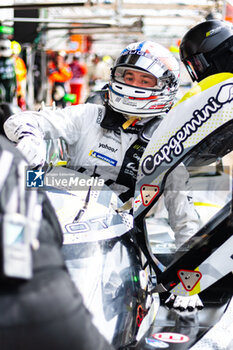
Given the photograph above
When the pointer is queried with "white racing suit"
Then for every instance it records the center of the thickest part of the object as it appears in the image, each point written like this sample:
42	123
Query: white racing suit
95	137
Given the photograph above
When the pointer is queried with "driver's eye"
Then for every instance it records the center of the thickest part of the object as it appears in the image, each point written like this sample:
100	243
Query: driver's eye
128	78
145	82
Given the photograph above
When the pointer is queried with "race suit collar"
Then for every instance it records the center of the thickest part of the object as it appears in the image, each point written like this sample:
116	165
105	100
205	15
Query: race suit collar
114	120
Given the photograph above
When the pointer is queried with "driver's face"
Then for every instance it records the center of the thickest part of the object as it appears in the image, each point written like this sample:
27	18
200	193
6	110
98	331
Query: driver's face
139	79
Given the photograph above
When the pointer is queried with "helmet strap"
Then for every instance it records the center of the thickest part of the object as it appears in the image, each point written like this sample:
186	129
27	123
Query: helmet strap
131	121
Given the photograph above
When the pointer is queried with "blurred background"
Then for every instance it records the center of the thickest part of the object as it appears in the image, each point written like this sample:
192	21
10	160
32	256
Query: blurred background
48	33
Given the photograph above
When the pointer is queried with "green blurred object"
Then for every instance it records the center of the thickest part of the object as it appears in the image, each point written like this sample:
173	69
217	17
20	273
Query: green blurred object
69	98
6	30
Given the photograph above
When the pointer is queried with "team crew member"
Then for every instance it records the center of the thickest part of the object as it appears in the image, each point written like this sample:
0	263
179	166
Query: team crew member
207	50
8	83
21	75
59	72
78	70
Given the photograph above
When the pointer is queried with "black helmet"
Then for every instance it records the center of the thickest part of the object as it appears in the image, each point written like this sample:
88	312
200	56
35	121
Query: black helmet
207	49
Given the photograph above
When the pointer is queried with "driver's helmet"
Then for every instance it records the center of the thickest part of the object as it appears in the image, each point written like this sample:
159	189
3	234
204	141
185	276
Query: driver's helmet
151	61
207	49
5	48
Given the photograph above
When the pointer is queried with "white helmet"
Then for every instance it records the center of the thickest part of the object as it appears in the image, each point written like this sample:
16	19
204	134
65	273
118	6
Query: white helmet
155	60
5	48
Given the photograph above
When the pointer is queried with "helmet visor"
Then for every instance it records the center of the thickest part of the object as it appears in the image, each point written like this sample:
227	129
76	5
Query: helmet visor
196	66
154	65
137	77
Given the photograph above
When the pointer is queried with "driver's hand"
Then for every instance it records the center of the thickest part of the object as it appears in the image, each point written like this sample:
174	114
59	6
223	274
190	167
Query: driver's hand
34	149
182	303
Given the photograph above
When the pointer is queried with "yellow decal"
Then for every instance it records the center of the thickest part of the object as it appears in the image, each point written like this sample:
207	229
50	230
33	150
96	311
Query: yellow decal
197	288
203	204
204	85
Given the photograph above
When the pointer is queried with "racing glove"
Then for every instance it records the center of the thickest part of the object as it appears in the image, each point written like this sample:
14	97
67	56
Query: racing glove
182	303
32	145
